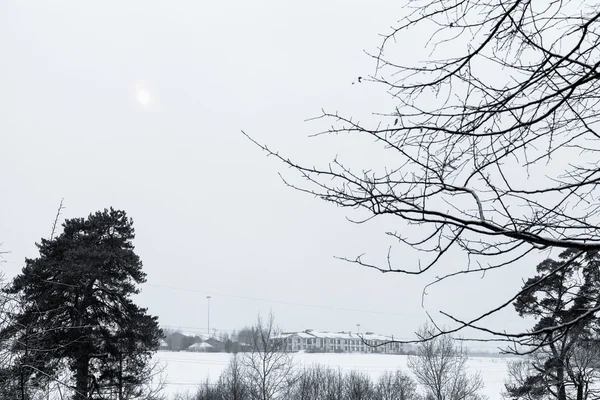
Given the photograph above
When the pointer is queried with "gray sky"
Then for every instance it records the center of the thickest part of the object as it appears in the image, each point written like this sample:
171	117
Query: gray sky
210	211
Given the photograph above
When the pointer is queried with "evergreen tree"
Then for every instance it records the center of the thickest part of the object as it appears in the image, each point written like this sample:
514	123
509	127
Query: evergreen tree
77	306
565	360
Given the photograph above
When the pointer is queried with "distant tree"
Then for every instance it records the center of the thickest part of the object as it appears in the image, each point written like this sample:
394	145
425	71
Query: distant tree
230	347
246	335
223	337
81	286
175	341
440	366
565	361
267	367
187	341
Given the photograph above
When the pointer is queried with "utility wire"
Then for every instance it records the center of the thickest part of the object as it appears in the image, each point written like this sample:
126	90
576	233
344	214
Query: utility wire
283	302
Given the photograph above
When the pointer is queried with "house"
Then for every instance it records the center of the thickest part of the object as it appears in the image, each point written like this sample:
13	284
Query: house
163	345
216	344
338	342
201	347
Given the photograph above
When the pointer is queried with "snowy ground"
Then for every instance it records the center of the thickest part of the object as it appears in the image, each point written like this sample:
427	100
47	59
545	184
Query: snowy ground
184	371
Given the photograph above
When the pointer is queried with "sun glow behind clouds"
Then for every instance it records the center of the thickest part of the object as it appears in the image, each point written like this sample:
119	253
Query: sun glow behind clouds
143	95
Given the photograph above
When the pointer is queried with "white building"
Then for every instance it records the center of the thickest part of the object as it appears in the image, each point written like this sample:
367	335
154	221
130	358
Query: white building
341	342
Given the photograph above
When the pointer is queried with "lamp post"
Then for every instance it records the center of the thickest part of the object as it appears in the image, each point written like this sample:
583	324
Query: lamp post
358	328
208	330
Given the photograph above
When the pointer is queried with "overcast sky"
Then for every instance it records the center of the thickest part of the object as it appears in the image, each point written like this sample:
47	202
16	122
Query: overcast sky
139	105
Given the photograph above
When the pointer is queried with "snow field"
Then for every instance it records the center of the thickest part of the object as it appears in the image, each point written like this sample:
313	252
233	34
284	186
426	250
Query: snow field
184	371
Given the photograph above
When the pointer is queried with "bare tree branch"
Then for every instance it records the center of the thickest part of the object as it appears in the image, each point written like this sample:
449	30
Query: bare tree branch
495	139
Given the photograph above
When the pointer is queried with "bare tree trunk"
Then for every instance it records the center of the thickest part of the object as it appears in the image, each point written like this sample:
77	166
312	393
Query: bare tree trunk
22	377
580	391
120	376
81	378
560	375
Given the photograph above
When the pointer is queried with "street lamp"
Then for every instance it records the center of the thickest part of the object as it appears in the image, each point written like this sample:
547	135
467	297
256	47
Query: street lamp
208	298
358	327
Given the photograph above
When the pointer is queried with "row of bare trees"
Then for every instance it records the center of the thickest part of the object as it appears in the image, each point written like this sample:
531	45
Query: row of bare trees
320	383
269	372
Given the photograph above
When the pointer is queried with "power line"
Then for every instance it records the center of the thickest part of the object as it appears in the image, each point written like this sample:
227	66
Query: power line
283	302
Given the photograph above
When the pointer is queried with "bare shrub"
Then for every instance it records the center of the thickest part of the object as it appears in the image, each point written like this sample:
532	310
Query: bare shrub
232	383
440	366
358	386
318	383
332	384
396	386
308	385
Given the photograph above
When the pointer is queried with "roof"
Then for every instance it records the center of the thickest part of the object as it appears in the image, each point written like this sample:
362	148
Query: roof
334	335
286	335
202	345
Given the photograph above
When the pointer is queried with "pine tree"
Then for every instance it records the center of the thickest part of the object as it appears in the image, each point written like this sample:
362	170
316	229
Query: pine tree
565	360
77	307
